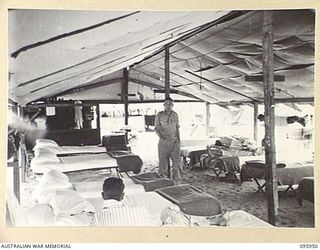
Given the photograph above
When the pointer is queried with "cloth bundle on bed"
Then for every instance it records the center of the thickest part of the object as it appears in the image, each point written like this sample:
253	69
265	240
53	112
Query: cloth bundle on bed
236	143
306	190
152	181
191	201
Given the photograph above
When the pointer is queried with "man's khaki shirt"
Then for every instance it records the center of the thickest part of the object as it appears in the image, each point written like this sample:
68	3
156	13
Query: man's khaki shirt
167	124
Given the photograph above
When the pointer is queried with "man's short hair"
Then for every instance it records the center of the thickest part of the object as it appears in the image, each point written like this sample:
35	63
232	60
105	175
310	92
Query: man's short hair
113	188
261	116
168	99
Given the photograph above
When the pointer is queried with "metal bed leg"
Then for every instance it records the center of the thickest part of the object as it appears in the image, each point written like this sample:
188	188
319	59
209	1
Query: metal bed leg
260	187
290	188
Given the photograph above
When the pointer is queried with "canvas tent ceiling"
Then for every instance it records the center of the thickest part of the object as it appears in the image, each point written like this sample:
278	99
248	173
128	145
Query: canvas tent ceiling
210	65
55	56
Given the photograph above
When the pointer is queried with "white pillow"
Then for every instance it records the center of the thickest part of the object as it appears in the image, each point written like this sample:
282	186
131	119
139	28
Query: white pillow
69	202
46	194
51	181
45	166
45	158
46	142
39	215
53	177
46	149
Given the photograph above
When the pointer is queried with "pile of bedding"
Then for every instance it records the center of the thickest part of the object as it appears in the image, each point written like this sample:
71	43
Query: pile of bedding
236	142
58	203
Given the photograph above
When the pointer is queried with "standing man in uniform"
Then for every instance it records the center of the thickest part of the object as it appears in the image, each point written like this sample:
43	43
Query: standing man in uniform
167	128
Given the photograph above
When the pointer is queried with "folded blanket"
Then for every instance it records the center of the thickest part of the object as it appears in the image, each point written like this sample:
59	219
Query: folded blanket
191	201
152	181
228	164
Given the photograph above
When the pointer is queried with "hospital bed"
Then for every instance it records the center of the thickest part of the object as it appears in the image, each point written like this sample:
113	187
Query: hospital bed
190	202
78	150
289	175
154	202
74	163
53	146
48	155
191	149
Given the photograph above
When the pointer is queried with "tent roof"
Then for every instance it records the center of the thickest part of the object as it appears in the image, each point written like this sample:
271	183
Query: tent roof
61	53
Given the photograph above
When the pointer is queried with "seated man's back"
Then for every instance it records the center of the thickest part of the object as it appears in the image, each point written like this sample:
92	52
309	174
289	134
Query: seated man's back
125	216
117	212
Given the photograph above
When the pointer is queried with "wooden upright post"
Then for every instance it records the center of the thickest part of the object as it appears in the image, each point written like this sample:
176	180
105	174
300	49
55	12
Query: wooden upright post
16	180
207	118
98	120
268	83
22	157
125	100
167	72
255	122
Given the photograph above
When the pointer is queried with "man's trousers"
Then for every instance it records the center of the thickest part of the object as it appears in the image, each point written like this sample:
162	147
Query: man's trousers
169	149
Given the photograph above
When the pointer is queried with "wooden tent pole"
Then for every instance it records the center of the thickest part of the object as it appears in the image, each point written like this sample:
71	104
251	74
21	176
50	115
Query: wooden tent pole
125	99
255	121
167	72
207	118
98	120
270	149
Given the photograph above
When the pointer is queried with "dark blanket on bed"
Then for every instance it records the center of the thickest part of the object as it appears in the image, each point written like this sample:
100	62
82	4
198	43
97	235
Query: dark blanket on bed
255	170
191	200
128	163
152	181
306	190
228	164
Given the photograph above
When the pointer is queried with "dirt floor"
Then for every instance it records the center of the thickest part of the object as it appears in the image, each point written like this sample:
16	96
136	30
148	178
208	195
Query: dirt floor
231	195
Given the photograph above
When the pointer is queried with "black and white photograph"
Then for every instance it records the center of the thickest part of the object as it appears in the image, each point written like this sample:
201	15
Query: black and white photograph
160	118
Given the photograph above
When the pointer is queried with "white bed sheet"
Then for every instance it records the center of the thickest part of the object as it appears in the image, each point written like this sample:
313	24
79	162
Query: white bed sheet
82	149
76	163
